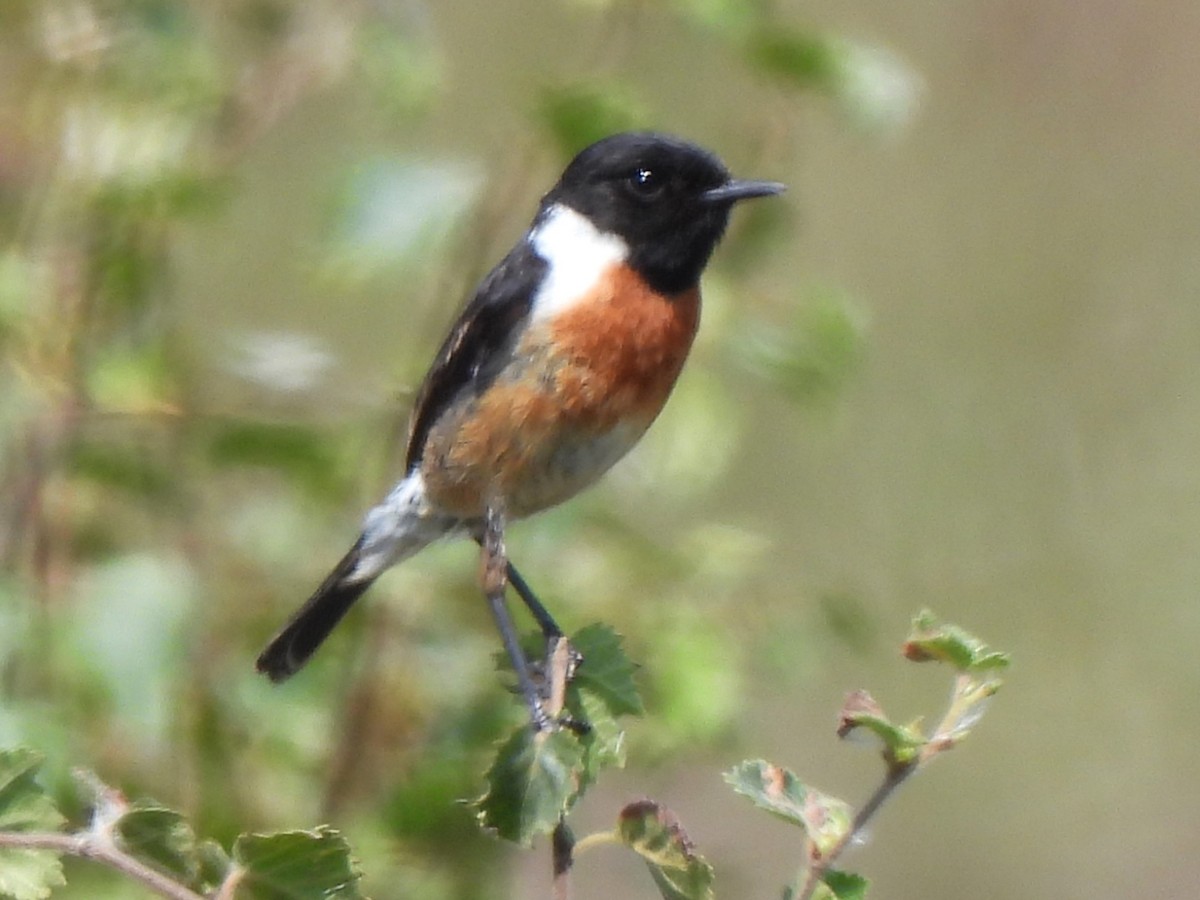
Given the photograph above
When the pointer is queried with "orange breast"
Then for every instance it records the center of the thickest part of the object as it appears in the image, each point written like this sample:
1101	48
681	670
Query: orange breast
583	386
623	348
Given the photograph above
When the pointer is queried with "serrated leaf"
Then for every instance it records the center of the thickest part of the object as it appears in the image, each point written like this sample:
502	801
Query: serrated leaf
606	672
296	865
901	743
603	742
837	885
533	779
161	838
655	833
24	807
825	819
932	640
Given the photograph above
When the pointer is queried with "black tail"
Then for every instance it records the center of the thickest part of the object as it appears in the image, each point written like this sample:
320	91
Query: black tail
304	632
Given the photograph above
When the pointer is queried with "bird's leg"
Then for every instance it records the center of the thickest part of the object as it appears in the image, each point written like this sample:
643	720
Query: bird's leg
494	569
550	630
562	659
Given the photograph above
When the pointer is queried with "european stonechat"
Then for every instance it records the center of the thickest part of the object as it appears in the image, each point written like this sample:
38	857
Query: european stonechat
556	367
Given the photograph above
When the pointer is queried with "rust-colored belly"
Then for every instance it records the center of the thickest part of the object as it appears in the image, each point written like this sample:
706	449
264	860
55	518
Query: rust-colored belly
580	391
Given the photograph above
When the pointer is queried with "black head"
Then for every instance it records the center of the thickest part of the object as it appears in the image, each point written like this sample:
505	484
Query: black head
668	199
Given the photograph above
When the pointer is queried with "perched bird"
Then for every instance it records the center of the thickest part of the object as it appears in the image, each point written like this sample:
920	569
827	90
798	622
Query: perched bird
555	368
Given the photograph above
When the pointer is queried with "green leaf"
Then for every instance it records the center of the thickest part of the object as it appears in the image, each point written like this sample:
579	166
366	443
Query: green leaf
296	865
901	743
654	833
404	70
578	115
533	780
604	741
214	865
826	820
24	807
133	380
725	17
696	678
813	356
606	672
800	59
931	639
127	469
837	885
163	839
968	702
873	87
302	453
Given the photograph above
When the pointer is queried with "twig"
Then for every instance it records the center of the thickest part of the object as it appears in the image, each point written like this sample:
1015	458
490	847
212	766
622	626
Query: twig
945	736
87	845
816	871
562	842
560	667
230	885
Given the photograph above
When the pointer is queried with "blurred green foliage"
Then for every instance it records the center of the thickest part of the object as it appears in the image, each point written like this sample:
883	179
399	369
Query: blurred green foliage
149	543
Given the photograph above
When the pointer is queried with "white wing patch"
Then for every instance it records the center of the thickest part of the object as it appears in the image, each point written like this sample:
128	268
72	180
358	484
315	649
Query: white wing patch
578	254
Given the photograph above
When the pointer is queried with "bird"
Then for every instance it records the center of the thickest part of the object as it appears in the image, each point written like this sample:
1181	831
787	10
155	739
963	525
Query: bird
554	369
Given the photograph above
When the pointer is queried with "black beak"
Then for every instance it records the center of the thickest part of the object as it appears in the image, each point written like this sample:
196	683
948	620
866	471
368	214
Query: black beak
732	191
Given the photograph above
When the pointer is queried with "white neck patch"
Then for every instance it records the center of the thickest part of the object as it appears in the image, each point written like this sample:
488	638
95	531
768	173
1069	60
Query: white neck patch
578	254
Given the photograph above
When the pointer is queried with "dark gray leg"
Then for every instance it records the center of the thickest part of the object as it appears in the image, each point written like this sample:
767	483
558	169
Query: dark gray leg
494	569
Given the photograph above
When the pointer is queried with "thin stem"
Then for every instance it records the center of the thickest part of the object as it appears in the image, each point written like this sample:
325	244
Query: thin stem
596	839
230	885
943	739
896	776
89	846
562	856
560	667
562	845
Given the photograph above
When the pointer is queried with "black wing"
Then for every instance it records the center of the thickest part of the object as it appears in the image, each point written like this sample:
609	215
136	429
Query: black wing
478	345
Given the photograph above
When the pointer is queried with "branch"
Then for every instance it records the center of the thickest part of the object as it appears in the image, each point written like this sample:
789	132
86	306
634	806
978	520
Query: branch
815	873
562	842
950	730
562	845
87	845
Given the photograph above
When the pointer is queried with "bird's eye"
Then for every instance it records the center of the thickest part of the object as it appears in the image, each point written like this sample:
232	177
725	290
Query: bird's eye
646	184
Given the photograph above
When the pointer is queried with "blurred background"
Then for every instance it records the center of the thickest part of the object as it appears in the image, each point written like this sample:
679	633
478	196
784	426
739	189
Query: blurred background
955	366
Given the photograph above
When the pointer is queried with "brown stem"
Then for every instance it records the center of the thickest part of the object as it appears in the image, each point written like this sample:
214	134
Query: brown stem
943	739
562	842
562	845
896	776
89	846
560	665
